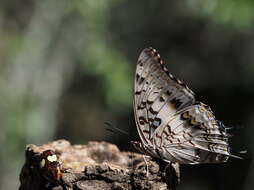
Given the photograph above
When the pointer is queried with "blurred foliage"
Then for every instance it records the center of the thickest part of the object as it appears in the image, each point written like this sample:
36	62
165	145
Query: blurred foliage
230	12
67	67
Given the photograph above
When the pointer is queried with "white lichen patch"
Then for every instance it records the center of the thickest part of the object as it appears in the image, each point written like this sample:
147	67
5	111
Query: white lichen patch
42	163
52	158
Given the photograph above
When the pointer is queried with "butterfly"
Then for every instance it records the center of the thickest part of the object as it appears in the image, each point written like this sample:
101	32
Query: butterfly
172	125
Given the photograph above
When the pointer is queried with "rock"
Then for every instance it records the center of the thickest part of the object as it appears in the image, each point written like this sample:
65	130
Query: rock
97	165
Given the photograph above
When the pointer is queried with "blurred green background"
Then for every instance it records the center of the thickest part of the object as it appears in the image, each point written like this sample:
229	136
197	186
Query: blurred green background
67	67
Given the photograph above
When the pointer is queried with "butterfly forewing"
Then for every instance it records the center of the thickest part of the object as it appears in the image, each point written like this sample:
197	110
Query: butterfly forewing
170	124
155	90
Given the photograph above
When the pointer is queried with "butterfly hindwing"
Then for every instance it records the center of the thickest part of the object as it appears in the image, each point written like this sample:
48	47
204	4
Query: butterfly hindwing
196	132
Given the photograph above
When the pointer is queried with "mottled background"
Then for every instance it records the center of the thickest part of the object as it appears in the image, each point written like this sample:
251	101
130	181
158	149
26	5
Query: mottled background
67	67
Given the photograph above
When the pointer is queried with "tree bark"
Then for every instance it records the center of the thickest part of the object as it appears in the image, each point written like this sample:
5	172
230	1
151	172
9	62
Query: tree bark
97	165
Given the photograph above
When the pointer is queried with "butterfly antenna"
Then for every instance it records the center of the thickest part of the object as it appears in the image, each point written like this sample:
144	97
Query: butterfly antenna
114	129
111	128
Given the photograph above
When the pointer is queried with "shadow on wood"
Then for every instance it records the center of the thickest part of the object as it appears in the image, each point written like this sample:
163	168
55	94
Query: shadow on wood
97	165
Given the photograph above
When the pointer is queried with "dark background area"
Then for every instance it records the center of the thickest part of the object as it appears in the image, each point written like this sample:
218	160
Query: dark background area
67	67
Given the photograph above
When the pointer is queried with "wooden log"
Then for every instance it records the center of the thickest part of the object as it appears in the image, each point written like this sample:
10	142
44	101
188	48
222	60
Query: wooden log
97	165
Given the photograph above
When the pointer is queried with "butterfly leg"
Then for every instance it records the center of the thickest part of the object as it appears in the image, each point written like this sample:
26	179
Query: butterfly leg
147	169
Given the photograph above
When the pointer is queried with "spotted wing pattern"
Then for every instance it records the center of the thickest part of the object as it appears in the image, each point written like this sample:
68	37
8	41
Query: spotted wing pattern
170	123
158	94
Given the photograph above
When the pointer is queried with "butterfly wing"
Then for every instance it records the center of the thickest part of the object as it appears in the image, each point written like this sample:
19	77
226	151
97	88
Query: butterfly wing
170	124
158	95
195	137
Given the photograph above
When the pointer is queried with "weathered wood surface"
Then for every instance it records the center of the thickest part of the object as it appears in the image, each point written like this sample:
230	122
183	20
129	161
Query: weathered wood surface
97	165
